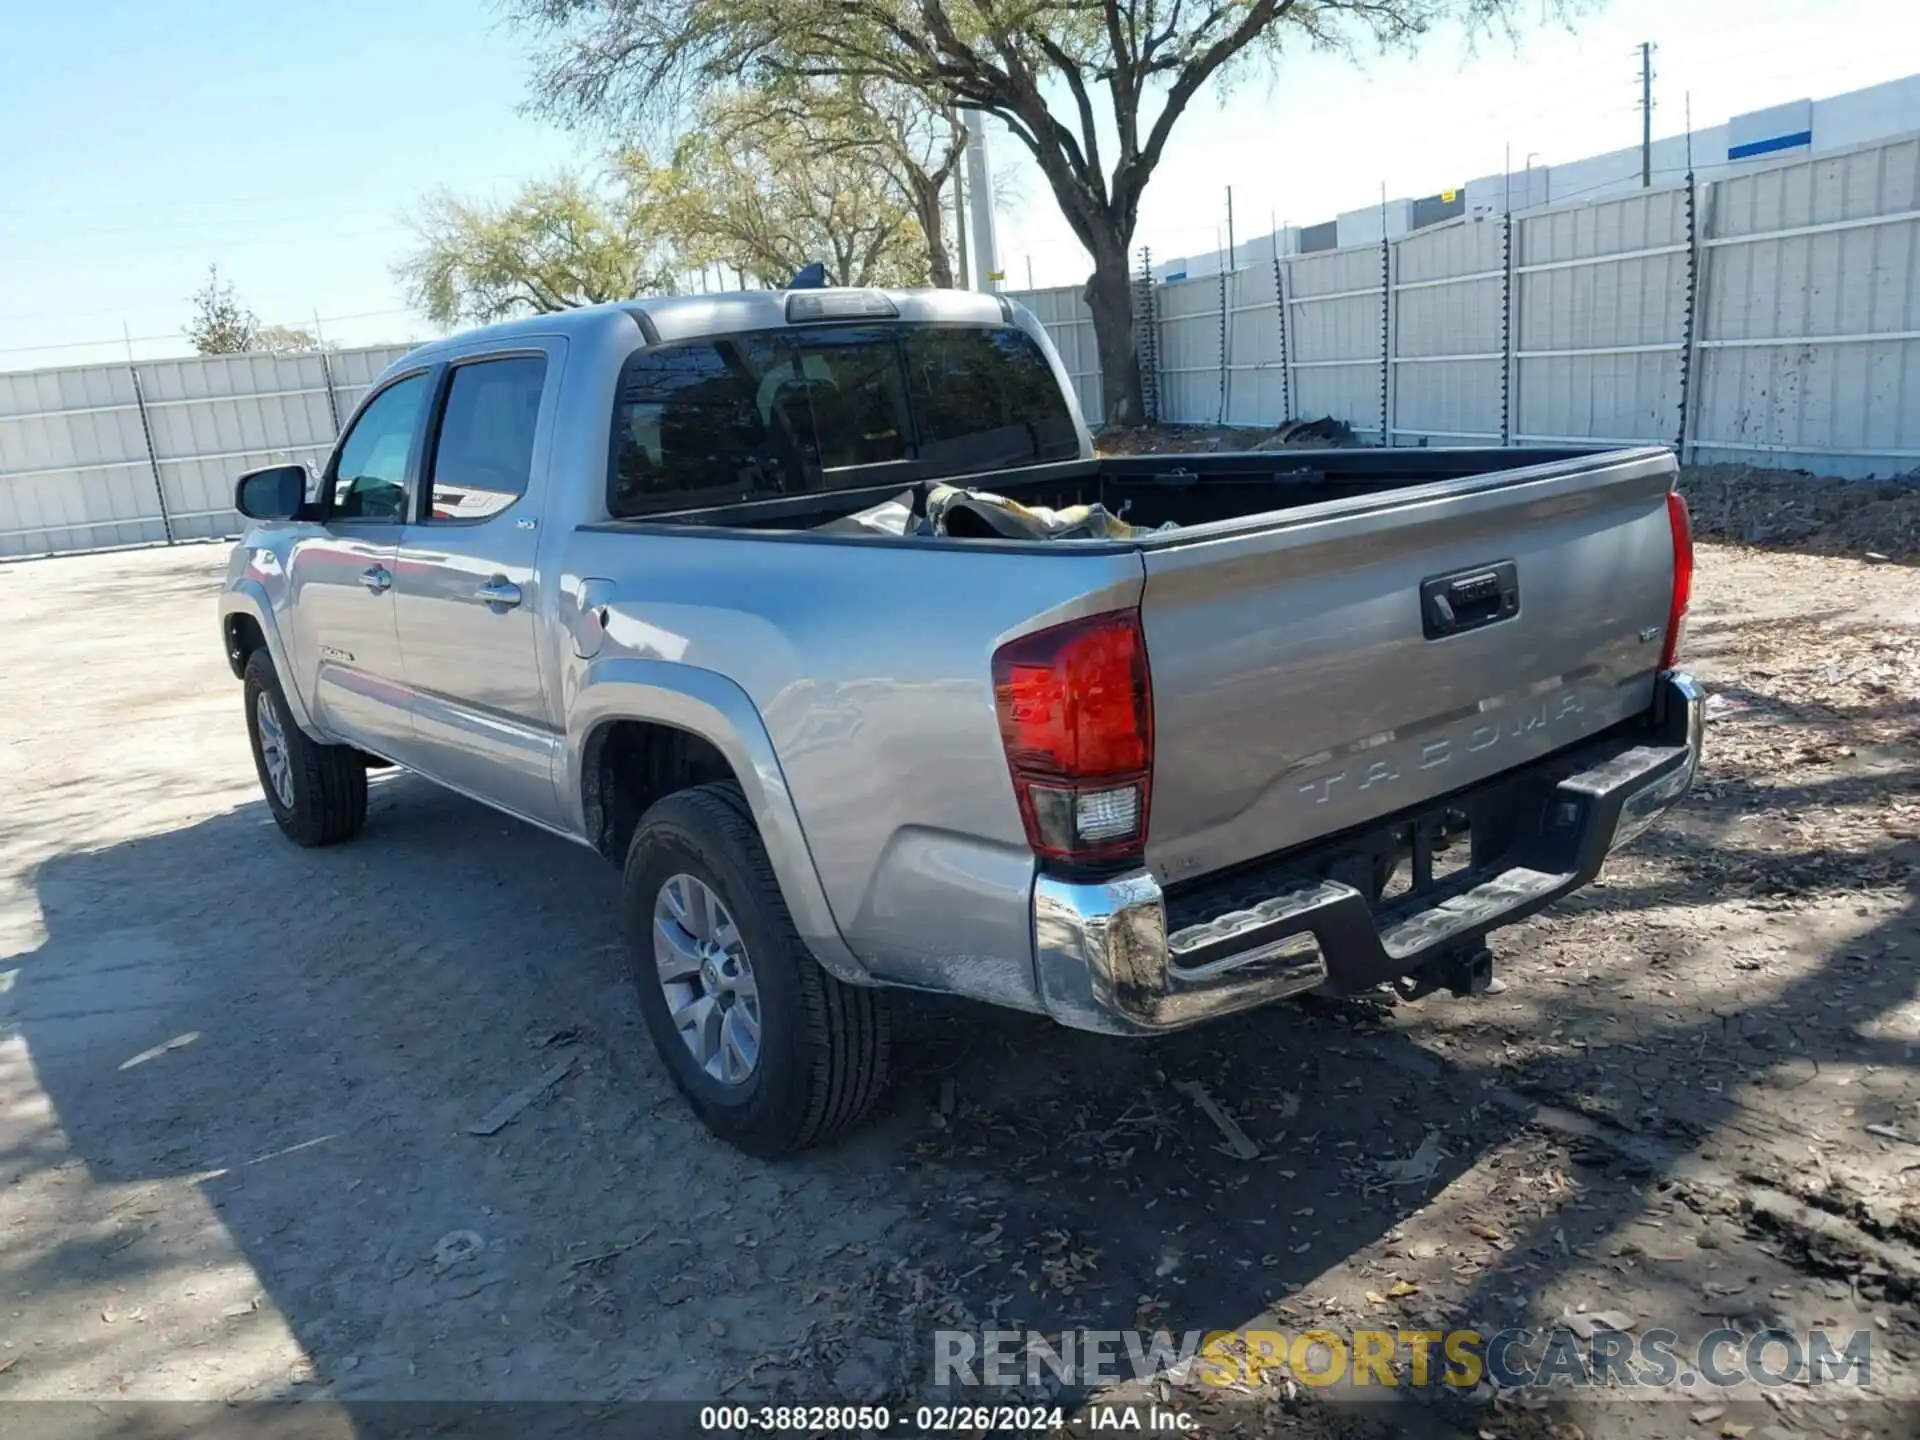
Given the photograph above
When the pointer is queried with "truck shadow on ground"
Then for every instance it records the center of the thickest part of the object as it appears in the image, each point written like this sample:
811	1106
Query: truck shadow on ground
308	1036
1096	1196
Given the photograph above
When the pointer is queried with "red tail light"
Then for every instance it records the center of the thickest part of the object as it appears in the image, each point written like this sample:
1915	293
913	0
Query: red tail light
1076	717
1682	524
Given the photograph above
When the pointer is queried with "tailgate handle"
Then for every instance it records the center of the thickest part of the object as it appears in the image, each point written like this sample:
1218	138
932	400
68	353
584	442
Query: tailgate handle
1467	599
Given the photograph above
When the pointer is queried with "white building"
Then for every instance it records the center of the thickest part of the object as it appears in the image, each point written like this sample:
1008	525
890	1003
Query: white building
1798	128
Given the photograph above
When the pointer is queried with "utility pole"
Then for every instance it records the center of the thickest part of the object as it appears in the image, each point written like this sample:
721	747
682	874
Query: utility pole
1233	256
959	229
1646	115
987	276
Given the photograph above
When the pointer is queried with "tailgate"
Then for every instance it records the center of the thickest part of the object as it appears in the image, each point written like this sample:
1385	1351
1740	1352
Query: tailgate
1302	685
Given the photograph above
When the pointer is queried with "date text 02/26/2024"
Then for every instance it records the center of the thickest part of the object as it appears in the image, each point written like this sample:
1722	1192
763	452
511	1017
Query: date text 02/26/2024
879	1419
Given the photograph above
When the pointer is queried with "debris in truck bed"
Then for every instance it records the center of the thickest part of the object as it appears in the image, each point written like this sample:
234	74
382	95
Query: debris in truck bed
889	517
981	515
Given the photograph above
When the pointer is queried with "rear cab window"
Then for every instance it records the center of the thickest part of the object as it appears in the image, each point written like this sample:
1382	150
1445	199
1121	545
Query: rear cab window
483	453
809	410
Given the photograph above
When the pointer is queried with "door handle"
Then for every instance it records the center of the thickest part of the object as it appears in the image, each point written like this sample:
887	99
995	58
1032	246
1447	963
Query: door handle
498	591
1467	599
379	579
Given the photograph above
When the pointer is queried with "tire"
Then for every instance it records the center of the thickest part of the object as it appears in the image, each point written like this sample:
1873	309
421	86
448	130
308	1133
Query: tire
326	799
824	1048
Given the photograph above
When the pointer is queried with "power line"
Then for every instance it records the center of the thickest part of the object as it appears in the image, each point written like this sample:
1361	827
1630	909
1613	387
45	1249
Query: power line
304	193
304	218
221	246
124	339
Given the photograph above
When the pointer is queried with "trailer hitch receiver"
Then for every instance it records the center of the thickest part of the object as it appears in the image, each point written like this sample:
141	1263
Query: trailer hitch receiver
1464	971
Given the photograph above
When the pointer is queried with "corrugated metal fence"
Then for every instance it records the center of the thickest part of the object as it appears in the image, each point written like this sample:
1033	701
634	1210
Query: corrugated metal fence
1772	318
95	456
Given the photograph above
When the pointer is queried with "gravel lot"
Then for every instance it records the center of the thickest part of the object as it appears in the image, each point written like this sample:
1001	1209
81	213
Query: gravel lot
236	1077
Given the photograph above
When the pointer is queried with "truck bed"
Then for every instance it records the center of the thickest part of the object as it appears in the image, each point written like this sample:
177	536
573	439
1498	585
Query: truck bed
1302	682
1153	490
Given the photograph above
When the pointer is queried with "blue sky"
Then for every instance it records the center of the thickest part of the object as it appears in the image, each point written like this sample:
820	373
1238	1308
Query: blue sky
287	142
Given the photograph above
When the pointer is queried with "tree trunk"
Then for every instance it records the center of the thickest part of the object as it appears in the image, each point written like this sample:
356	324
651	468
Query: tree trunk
1109	295
939	263
931	214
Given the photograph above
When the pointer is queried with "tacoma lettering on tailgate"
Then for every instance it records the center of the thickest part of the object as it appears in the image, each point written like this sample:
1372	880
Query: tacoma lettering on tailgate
1484	734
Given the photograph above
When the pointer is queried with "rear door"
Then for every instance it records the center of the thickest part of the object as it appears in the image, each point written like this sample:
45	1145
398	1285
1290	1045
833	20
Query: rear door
1305	681
340	581
467	583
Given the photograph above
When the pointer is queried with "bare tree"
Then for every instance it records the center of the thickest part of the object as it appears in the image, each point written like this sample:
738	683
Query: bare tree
221	325
772	179
1092	88
286	340
555	245
916	146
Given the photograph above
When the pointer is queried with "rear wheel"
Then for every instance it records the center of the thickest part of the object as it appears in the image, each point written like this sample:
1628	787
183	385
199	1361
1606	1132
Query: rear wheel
317	793
773	1053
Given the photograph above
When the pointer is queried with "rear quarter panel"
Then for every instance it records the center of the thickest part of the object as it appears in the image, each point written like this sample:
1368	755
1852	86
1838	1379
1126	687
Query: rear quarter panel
870	665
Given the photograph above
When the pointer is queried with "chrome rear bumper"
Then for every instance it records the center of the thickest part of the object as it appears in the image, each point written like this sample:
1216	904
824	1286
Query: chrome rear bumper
1105	960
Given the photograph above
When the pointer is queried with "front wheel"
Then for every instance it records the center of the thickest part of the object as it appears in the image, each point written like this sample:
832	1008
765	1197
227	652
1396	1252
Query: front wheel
773	1053
317	793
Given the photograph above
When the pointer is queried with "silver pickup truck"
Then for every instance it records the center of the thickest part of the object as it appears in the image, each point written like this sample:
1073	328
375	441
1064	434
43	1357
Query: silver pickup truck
1291	721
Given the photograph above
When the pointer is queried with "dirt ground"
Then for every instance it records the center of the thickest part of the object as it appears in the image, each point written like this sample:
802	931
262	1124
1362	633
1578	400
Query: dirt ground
236	1080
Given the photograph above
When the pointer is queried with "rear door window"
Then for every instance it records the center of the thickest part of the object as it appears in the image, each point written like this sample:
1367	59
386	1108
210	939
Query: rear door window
483	460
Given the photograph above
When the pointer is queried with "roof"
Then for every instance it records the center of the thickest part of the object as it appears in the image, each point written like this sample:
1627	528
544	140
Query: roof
666	318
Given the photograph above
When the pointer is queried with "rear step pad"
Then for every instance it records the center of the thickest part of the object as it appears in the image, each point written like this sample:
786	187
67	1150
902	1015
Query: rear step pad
1473	909
1284	906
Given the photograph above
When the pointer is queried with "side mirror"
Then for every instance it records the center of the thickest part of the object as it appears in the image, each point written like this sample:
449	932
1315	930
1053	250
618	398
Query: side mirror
278	492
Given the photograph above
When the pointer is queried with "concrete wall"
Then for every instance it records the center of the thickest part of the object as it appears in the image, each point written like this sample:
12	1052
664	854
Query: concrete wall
95	456
1809	353
1336	335
1599	317
1449	337
1770	316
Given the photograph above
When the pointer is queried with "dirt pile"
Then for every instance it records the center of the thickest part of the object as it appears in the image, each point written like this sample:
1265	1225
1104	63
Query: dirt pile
1739	504
1814	514
1177	439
